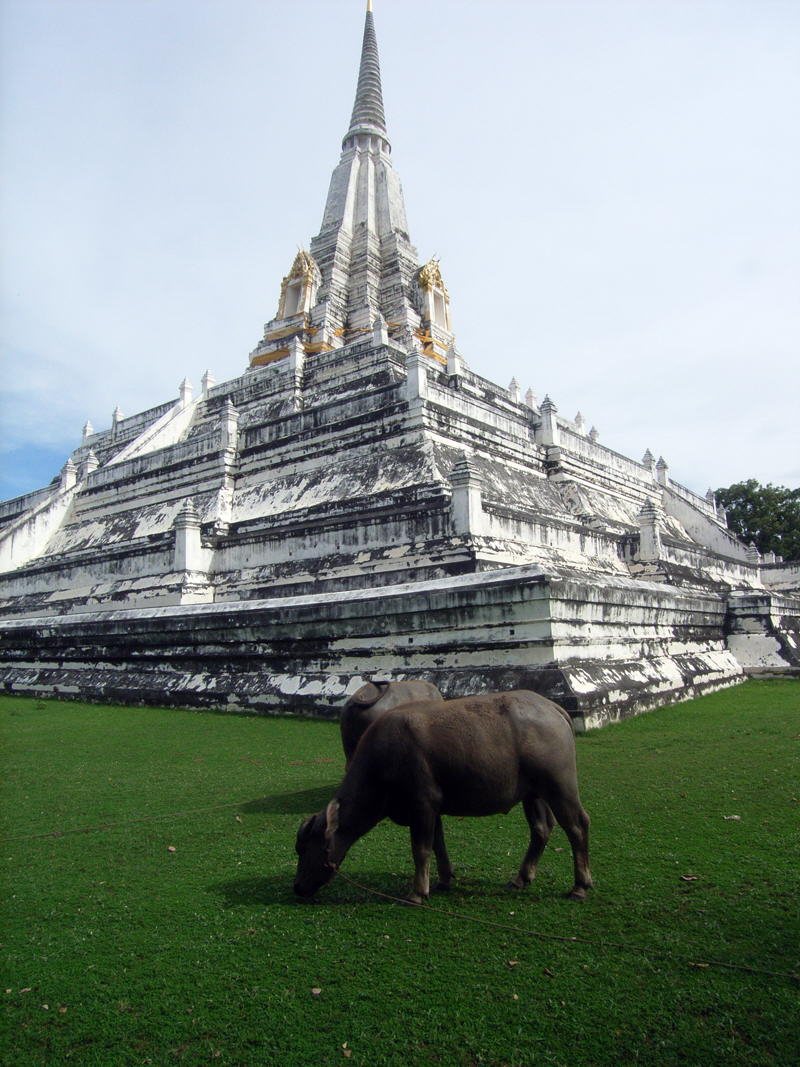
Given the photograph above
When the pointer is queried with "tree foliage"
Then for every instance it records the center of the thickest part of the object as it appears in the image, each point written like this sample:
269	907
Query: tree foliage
766	515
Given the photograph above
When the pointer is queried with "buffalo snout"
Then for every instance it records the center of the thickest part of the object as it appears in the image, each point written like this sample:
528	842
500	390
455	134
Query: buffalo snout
313	869
305	887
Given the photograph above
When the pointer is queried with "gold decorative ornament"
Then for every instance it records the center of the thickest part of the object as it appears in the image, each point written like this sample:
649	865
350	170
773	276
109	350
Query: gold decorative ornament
430	277
299	287
304	266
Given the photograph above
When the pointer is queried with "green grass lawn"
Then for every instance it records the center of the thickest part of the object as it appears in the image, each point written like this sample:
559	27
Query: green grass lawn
149	931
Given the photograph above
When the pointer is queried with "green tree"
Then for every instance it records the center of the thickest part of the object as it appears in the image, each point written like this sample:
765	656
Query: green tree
766	515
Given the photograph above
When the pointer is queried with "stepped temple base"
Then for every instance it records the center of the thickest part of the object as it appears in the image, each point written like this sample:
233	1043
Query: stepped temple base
604	649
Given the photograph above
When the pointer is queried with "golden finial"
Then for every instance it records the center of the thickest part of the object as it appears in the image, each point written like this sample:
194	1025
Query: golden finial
369	5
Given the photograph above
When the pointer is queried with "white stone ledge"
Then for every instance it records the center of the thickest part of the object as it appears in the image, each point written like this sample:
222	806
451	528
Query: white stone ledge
701	524
279	605
18	505
695	557
480	413
27	537
158	462
607	458
515	580
694	499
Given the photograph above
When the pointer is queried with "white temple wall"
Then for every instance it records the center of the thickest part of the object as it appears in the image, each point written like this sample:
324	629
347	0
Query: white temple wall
734	572
93	577
18	505
26	537
604	459
334	426
699	503
147	511
509	428
701	526
615	481
627	620
636	646
357	552
313	541
782	577
503	629
765	632
132	425
571	542
159	463
165	432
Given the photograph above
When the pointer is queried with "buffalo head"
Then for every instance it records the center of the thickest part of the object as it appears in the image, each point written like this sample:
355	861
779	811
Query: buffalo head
313	846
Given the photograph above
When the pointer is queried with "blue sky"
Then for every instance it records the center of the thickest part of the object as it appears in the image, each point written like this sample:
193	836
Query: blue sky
611	187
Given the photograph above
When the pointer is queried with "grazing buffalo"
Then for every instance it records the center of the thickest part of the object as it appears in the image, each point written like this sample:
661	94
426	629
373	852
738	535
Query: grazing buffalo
371	700
479	755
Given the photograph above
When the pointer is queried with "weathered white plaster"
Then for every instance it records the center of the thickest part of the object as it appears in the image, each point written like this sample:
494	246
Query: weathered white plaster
417	379
782	577
166	431
467	506
28	537
650	521
701	526
757	651
549	431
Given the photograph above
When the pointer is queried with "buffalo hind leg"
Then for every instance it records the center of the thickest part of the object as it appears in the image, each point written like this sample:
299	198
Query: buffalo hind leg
541	821
575	823
423	834
443	866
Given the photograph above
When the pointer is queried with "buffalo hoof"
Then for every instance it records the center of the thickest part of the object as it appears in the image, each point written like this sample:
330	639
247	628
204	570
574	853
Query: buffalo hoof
578	895
516	884
441	887
414	900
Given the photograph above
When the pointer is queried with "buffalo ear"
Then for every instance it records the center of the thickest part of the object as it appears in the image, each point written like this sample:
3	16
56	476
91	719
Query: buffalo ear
331	820
365	697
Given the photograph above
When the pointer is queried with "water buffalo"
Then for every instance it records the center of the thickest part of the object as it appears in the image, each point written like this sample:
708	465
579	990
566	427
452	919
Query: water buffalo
479	755
371	700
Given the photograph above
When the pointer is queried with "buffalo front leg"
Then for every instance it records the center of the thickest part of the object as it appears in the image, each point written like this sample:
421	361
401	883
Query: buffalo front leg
541	821
575	823
443	866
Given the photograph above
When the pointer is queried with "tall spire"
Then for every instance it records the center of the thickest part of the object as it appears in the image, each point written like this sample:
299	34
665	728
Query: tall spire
361	268
368	114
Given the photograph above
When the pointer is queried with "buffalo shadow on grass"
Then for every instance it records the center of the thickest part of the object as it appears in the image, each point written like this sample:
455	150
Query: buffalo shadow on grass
302	802
277	889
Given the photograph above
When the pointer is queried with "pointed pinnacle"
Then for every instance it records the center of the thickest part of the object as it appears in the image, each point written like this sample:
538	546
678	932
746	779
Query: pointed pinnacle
368	108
